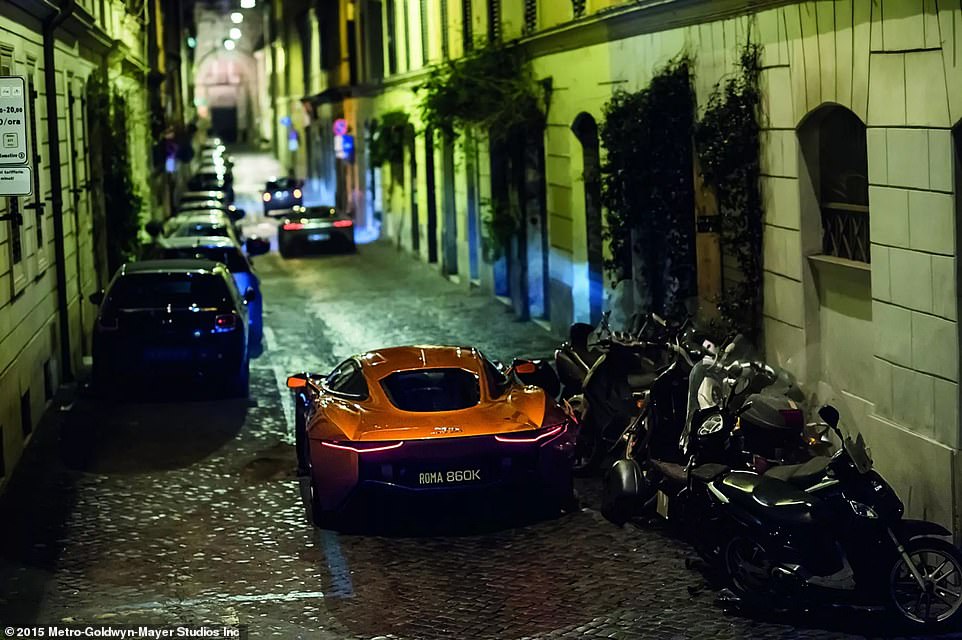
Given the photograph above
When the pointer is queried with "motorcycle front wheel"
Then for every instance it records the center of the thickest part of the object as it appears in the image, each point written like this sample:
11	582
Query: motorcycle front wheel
749	569
937	601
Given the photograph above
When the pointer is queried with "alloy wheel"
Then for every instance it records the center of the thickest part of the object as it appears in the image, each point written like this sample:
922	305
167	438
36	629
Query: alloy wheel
748	566
939	597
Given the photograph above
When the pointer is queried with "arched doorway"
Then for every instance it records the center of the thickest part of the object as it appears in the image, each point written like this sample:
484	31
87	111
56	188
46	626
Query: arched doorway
586	130
837	314
411	146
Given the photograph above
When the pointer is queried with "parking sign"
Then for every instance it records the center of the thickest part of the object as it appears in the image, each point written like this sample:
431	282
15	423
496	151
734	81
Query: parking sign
13	120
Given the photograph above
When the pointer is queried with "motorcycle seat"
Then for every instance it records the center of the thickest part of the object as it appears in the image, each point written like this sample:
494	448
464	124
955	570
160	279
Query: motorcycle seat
768	498
803	475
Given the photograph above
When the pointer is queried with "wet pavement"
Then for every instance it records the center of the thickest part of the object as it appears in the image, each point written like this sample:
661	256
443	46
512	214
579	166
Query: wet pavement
187	510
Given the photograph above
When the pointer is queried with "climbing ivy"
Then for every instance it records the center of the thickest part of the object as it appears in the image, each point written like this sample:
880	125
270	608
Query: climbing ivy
490	89
388	138
122	203
727	140
647	187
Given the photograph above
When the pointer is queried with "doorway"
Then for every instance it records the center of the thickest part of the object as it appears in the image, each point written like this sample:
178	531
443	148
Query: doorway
429	185
586	130
449	262
410	143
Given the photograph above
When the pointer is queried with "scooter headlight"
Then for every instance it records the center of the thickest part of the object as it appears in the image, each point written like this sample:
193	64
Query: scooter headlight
862	510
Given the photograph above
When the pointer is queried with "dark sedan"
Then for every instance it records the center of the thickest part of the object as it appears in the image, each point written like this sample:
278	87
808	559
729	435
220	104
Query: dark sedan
305	227
171	320
281	194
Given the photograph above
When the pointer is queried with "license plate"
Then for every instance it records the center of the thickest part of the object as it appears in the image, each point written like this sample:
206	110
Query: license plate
662	506
318	237
166	355
460	476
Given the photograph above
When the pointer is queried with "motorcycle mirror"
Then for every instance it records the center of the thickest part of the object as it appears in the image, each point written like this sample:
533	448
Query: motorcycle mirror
829	414
657	318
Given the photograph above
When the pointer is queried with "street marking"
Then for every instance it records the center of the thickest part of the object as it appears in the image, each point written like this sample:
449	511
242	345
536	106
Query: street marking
280	379
336	566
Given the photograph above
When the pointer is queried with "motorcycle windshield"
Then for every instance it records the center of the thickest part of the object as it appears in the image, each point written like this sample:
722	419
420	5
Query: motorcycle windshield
706	388
859	453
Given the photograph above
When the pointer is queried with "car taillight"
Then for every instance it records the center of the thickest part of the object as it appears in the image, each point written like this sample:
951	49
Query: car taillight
225	322
528	437
297	193
267	197
107	324
293	226
343	223
362	447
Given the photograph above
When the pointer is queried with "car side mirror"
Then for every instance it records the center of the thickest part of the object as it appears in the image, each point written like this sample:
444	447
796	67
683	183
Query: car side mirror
250	295
97	297
256	246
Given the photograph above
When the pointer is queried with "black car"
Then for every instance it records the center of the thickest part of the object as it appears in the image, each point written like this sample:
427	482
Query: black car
281	194
212	181
305	227
171	320
203	195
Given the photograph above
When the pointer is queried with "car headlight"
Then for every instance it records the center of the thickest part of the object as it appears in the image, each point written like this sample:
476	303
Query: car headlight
862	510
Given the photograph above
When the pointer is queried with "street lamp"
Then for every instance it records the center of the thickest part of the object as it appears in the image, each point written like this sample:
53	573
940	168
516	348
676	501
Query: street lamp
237	17
235	33
229	45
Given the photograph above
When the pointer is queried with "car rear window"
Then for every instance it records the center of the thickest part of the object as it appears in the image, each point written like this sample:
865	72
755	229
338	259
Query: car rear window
432	389
180	290
317	212
233	258
191	229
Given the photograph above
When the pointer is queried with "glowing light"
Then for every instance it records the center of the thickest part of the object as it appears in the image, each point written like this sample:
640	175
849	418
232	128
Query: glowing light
333	445
237	17
229	45
191	41
544	435
235	33
248	4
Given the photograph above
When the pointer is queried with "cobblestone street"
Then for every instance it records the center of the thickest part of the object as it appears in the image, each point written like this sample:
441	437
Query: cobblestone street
189	511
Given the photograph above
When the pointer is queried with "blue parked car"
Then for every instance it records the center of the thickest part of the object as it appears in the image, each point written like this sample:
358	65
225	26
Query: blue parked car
225	250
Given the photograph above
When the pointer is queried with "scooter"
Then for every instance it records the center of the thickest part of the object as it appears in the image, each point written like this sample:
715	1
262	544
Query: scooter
735	417
835	537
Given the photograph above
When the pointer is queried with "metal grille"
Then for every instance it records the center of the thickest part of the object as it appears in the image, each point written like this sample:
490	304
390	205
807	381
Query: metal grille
467	28
578	6
494	20
530	15
424	32
845	231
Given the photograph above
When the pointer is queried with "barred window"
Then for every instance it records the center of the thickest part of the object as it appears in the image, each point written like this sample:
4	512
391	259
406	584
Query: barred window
424	32
467	28
445	44
578	7
843	185
16	243
494	20
530	16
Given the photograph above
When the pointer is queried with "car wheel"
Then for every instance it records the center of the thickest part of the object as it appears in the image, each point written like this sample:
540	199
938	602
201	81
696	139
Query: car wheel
322	518
284	248
240	388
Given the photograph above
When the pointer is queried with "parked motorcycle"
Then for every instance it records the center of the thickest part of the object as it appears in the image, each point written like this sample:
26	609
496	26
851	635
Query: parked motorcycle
729	410
612	392
833	535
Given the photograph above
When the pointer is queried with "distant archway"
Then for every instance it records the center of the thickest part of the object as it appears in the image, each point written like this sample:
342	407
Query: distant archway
586	130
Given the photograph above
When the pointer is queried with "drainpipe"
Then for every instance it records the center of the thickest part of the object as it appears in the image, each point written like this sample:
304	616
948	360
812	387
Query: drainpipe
50	26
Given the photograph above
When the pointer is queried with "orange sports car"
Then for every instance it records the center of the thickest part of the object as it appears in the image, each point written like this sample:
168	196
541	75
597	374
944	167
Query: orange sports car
427	420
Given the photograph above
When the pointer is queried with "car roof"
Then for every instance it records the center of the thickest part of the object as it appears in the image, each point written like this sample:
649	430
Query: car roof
202	215
197	205
184	265
203	192
383	362
191	242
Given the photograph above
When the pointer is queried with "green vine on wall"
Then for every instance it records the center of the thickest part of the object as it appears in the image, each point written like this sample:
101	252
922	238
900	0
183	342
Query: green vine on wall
122	203
727	140
492	89
388	140
647	187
